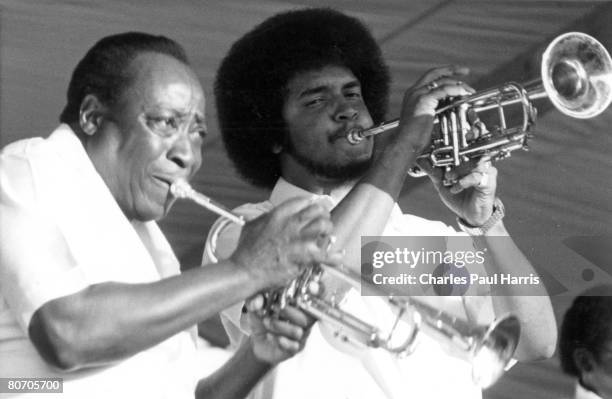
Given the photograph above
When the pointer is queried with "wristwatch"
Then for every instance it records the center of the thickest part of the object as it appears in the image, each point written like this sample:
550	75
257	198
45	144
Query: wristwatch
496	216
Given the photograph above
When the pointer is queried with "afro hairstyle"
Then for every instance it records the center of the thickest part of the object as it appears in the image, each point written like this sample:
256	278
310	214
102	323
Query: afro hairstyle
251	80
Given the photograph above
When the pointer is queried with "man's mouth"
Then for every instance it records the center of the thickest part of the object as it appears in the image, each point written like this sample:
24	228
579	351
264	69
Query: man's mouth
343	134
163	182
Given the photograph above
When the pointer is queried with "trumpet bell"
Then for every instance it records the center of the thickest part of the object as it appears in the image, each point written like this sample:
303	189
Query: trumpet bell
576	73
494	351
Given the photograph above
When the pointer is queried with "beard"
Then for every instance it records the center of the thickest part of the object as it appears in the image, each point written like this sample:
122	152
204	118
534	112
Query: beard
341	173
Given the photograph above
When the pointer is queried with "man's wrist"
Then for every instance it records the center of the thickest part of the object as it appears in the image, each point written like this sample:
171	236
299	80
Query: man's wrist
496	217
253	281
263	365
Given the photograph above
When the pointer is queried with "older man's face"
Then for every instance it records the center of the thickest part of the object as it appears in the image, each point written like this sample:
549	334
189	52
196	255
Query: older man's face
151	137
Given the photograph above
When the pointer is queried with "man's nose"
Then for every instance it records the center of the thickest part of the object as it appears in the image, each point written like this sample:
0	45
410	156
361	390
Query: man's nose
345	111
184	152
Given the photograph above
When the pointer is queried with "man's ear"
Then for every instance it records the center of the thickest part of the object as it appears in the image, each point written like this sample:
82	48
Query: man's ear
583	360
90	114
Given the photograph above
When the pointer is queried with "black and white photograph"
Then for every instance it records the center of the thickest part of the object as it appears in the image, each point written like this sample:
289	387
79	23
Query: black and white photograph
374	199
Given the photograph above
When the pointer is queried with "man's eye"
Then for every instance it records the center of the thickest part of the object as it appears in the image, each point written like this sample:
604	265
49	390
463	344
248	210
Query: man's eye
200	132
162	123
315	102
353	95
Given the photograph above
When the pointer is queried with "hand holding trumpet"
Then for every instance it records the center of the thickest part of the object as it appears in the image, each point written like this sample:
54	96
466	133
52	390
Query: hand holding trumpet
421	101
472	192
276	246
275	338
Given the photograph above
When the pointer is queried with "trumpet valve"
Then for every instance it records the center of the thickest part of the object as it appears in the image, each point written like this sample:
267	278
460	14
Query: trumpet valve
314	288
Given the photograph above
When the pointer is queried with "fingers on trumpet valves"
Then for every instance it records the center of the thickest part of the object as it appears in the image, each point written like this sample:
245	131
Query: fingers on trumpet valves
474	179
336	259
445	76
312	211
284	327
314	288
445	71
482	176
477	127
325	241
296	317
314	219
288	345
318	229
449	87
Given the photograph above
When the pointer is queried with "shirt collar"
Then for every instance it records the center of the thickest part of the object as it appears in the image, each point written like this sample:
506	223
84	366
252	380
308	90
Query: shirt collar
584	393
76	155
283	190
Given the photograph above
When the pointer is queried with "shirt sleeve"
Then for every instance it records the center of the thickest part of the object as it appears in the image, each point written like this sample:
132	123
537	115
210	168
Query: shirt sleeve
36	264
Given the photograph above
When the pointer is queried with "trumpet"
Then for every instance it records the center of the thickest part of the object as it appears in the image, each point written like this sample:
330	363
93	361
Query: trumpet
181	189
488	348
576	75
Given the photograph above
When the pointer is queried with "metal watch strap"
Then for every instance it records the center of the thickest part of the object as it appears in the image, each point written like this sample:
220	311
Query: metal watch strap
496	216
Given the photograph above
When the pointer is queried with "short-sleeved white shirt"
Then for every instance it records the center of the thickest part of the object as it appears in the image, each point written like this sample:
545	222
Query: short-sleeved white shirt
60	232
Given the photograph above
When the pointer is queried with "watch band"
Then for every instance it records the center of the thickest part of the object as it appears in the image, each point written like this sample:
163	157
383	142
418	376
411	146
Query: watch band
497	215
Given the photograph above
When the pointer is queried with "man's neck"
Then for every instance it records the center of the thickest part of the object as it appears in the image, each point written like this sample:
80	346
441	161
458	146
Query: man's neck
299	176
321	186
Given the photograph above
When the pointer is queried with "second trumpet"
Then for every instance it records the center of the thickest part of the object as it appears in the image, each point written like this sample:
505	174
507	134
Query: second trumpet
576	75
488	348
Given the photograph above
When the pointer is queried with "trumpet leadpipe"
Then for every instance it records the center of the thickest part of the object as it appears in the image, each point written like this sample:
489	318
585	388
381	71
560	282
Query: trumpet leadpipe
182	189
356	135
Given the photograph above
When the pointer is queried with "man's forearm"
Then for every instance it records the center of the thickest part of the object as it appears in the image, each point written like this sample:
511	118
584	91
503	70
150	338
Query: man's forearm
110	321
366	209
235	378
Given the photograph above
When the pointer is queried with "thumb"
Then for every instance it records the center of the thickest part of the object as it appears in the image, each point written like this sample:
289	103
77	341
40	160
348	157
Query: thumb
435	174
256	303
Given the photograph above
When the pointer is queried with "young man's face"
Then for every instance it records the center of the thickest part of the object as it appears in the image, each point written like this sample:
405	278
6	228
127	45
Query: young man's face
151	137
320	107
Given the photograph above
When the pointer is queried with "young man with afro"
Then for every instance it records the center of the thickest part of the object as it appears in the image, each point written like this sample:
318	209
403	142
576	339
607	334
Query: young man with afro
287	93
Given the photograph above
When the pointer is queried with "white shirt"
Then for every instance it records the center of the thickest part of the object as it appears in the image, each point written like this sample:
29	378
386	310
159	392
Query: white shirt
61	231
583	393
323	371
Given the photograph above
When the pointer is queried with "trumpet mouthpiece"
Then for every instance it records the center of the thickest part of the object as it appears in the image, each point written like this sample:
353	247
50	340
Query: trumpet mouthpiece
355	135
180	188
